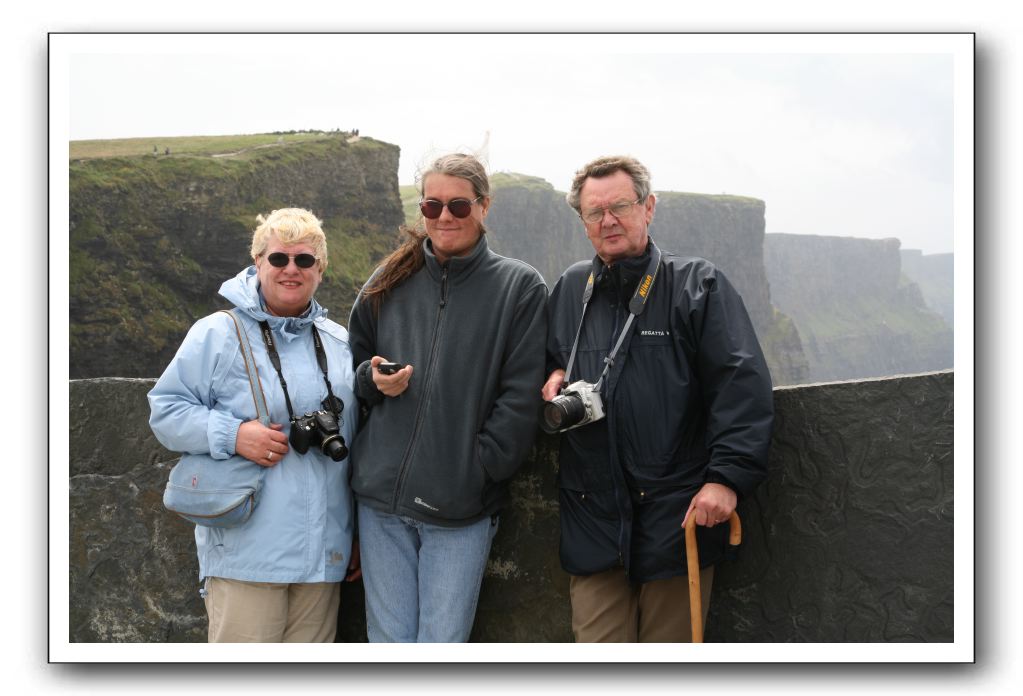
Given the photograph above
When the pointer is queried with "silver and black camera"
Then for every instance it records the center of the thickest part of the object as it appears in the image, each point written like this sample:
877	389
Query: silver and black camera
578	404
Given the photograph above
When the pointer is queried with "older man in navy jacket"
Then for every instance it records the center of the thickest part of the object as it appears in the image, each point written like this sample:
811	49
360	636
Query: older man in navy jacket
688	403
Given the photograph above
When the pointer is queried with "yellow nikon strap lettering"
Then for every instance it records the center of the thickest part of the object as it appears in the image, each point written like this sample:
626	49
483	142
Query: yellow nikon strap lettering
636	306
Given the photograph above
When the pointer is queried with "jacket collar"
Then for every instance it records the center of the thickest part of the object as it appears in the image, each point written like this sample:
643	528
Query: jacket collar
243	292
621	276
459	267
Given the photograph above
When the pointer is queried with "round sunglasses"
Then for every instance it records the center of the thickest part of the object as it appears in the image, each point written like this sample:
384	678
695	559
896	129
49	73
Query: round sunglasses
459	207
279	259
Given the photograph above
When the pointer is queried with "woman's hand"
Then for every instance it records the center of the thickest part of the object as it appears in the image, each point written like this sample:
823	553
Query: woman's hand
390	385
262	445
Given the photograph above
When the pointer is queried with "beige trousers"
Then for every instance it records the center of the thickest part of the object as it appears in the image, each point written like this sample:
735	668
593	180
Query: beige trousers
606	608
265	612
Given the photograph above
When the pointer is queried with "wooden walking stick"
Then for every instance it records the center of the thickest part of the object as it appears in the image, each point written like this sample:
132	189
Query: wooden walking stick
693	564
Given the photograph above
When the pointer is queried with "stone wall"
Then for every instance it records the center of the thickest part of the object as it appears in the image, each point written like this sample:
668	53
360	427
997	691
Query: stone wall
850	539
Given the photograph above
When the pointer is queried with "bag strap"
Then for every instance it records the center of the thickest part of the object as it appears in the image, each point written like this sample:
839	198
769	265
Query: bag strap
262	412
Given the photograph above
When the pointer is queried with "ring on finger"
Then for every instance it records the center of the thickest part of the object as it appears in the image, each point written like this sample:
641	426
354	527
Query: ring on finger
270	455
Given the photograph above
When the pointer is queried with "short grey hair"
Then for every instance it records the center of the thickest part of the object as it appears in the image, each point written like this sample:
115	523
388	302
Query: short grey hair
606	166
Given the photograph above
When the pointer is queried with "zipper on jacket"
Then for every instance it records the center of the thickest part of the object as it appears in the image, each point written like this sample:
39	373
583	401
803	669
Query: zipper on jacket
621	497
420	415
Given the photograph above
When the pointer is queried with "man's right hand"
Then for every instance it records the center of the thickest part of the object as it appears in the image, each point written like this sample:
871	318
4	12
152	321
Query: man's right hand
390	385
553	385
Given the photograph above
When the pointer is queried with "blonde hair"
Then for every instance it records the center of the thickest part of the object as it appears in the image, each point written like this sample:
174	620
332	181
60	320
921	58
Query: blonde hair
290	226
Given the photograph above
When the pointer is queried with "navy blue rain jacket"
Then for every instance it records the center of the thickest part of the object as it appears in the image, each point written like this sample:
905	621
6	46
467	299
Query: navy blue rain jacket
688	401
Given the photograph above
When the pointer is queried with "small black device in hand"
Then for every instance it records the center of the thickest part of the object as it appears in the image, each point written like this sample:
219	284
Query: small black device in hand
320	428
389	368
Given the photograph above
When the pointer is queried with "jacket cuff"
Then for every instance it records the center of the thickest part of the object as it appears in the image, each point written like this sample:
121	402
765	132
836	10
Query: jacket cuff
365	388
222	433
714	477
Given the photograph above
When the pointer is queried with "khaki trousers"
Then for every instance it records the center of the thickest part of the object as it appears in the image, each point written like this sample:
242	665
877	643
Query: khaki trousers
606	608
265	612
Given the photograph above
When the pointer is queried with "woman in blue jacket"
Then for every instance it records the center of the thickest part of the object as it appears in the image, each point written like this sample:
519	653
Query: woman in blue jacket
276	577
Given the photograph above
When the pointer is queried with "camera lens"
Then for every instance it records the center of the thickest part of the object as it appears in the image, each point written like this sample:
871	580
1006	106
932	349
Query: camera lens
335	448
562	412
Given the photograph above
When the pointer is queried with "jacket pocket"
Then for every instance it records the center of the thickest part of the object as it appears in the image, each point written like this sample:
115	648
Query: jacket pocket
451	488
589	531
590	503
488	478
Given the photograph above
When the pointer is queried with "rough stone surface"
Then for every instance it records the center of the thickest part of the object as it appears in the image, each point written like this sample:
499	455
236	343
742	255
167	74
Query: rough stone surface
850	539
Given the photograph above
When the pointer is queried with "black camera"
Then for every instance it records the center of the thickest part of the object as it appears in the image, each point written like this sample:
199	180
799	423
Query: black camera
578	404
320	428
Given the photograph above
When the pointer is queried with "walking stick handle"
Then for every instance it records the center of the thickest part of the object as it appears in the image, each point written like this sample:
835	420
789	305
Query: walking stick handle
693	566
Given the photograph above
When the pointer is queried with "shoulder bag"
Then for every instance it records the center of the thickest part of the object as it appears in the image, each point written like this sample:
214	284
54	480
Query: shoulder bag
220	492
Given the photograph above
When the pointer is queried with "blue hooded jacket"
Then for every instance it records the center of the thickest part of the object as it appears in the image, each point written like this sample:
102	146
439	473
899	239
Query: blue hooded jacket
302	527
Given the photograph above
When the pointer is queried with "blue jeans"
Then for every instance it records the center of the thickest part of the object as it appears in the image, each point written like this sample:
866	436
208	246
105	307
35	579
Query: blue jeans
422	580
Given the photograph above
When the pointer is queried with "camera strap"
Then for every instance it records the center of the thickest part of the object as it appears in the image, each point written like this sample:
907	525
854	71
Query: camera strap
636	306
321	359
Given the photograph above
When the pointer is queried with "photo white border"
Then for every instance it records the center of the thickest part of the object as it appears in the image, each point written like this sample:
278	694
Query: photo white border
63	48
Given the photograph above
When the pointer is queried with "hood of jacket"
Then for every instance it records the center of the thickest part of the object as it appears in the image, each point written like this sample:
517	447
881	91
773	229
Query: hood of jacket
243	292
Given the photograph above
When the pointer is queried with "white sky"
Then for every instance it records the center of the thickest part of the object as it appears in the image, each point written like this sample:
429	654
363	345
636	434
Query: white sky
838	134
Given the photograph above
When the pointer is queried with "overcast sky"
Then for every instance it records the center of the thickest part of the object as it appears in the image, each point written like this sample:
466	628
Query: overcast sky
838	135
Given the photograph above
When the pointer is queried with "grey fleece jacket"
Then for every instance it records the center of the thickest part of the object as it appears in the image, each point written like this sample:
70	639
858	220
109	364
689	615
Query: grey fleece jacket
474	330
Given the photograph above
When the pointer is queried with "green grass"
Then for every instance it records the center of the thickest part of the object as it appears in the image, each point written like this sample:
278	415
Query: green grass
720	197
502	179
410	203
196	145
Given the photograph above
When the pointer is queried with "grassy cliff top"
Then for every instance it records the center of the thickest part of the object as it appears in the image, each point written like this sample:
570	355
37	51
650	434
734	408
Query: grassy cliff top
720	197
502	179
200	145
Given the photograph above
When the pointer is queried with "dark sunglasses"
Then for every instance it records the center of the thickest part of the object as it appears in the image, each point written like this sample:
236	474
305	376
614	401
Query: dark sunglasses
279	259
459	207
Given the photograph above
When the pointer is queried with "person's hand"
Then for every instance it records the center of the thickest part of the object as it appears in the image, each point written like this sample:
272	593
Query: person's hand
713	505
553	384
260	444
390	385
355	563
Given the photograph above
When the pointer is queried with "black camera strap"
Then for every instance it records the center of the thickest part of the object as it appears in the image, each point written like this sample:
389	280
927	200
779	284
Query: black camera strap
636	306
321	359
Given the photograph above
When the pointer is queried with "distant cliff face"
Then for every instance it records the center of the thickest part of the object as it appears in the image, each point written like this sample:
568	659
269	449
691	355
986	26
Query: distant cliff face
935	274
531	221
726	230
152	239
858	317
